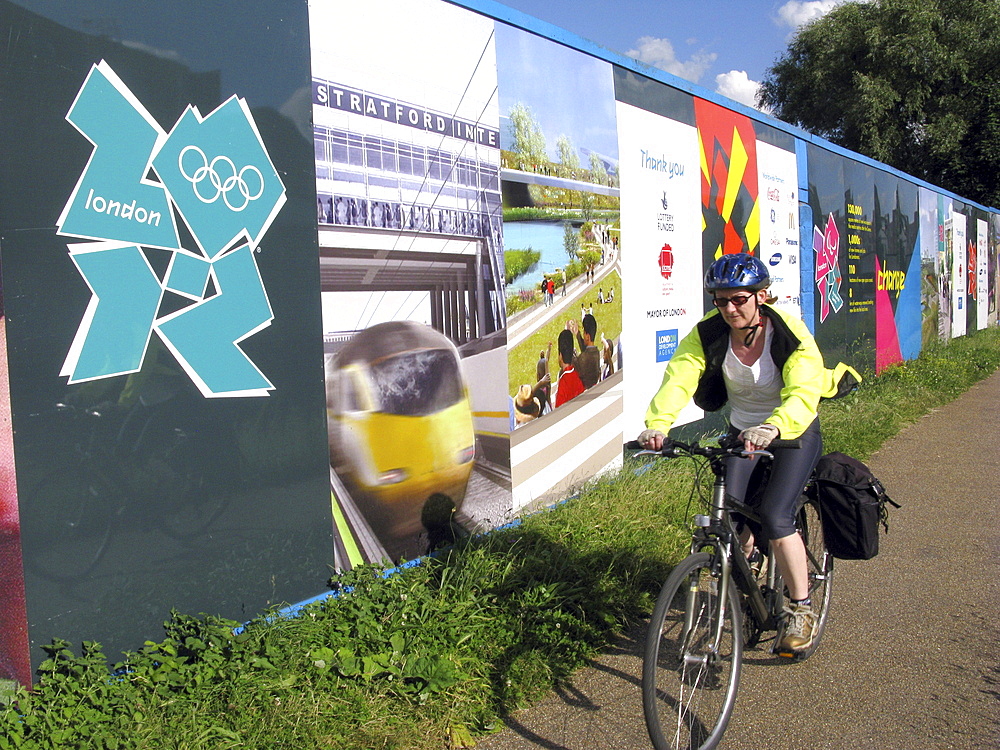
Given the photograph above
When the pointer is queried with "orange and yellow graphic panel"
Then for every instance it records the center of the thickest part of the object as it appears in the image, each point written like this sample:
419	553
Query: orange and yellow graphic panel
730	210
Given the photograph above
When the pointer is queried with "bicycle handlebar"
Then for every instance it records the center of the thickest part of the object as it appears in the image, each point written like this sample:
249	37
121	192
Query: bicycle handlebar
727	447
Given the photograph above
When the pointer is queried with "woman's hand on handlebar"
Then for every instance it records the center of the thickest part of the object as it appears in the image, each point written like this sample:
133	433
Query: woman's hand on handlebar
651	439
759	437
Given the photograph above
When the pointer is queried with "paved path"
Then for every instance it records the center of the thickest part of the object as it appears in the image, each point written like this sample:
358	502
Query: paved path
911	655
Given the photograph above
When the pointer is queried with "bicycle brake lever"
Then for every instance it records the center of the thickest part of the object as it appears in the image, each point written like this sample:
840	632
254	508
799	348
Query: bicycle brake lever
646	452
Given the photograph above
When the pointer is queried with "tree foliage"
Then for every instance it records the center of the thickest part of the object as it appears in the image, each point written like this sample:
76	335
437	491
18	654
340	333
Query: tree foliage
571	241
567	152
912	83
528	139
597	169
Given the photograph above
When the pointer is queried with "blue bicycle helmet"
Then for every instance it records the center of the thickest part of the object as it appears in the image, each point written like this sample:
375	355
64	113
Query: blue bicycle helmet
737	271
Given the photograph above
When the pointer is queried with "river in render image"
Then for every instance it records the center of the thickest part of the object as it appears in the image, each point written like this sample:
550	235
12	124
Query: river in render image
545	237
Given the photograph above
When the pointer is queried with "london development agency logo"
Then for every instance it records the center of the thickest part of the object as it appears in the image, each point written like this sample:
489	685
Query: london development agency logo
215	173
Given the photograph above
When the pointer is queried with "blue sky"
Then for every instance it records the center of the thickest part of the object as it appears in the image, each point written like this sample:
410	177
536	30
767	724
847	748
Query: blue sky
569	93
723	45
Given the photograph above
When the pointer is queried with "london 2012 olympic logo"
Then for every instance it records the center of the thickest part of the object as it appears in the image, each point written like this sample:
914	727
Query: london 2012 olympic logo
826	243
235	179
214	174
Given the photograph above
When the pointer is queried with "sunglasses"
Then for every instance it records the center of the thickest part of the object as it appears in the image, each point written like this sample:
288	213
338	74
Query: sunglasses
738	301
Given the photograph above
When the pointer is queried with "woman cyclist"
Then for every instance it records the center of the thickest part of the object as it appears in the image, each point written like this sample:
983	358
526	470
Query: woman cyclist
766	364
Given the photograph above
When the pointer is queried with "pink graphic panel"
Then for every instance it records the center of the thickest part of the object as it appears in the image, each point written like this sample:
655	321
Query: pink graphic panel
887	350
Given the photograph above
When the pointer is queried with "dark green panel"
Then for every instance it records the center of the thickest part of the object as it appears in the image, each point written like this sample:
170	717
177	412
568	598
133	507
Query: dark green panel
864	219
827	190
653	96
146	495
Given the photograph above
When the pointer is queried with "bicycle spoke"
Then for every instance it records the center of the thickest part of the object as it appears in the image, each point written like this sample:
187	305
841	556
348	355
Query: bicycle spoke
689	681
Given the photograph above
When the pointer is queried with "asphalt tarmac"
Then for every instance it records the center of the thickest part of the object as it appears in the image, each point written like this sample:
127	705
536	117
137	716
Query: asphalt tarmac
911	654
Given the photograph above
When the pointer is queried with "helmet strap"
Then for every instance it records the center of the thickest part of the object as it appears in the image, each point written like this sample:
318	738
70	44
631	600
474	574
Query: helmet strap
753	327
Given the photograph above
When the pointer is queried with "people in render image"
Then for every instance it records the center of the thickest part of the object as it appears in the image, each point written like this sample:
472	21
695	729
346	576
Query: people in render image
526	406
767	366
568	385
588	362
542	373
607	357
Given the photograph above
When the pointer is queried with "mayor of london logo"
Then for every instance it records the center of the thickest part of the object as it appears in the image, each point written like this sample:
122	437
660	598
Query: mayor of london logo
213	173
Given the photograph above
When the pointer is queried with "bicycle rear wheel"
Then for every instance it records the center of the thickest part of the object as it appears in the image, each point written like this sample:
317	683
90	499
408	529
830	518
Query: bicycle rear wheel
820	562
688	681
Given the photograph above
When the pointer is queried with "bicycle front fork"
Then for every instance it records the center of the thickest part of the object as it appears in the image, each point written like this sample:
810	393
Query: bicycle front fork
719	584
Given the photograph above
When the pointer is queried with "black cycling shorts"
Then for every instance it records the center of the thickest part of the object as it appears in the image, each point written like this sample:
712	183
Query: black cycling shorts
789	472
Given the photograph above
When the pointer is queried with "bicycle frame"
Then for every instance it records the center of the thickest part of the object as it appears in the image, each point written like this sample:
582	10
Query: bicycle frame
717	532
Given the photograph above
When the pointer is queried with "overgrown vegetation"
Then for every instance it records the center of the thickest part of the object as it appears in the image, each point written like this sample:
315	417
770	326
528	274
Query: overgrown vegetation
432	656
903	393
522	300
519	262
515	213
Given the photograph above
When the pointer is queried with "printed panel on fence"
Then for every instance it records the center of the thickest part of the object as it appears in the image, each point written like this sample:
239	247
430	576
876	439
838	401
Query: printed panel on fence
562	242
411	269
168	419
698	181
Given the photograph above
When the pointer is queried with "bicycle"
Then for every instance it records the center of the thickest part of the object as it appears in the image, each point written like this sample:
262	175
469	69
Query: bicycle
715	603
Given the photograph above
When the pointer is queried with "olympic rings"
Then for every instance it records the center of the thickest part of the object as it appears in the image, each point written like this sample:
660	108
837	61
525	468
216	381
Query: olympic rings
222	187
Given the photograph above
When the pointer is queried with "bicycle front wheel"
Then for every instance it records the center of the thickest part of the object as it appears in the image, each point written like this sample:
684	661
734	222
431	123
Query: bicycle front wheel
693	653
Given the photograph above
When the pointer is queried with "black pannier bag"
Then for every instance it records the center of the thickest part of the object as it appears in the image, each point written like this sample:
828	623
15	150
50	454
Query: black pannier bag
852	503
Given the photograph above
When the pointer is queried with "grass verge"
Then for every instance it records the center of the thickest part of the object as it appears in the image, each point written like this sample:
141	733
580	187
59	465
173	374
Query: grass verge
433	656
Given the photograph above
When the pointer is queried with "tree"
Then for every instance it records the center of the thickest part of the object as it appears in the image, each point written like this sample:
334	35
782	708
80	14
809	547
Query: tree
529	141
567	153
586	205
571	241
597	170
912	83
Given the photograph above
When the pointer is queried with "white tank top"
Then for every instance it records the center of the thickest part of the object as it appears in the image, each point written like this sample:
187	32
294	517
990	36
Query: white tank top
754	390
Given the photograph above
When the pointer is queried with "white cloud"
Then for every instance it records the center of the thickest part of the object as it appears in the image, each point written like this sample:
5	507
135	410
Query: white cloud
795	13
660	54
736	85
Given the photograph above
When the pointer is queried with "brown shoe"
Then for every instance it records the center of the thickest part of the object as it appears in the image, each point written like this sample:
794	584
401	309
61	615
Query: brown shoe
800	629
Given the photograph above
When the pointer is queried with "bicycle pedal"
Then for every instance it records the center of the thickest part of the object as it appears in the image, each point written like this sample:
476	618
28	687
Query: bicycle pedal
789	654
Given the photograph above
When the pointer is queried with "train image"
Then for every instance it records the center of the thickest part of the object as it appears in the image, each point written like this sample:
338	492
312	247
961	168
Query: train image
400	429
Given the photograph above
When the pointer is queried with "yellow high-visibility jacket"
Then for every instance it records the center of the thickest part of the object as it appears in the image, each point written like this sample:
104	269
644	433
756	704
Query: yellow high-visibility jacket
695	371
